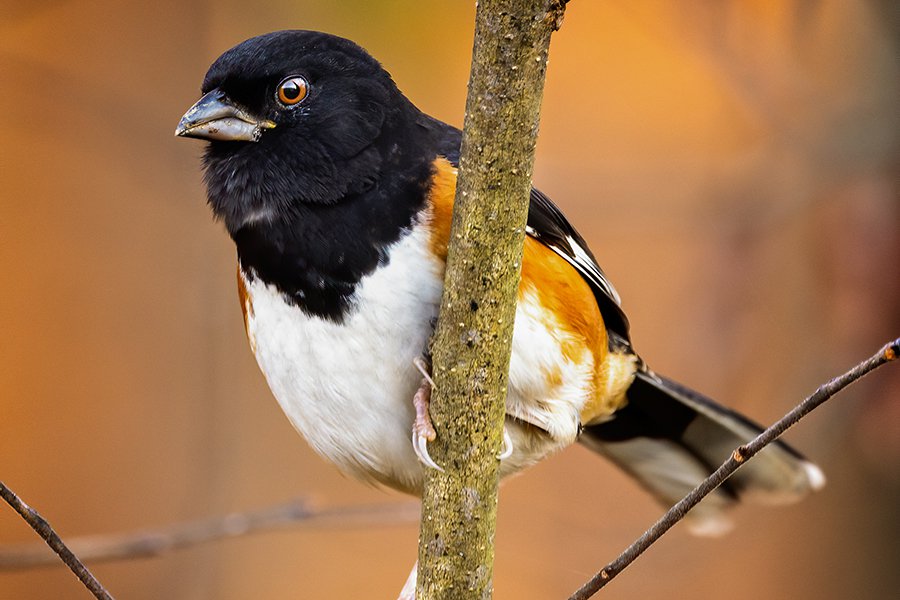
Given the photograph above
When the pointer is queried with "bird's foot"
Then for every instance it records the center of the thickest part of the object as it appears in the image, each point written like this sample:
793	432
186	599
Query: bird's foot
423	430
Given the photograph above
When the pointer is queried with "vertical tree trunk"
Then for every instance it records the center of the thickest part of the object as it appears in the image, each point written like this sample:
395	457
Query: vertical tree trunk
474	333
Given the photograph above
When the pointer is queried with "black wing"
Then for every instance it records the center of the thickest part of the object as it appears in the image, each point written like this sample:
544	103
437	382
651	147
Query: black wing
548	225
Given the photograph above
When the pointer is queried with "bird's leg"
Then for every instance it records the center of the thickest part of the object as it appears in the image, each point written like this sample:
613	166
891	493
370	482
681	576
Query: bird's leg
409	588
423	430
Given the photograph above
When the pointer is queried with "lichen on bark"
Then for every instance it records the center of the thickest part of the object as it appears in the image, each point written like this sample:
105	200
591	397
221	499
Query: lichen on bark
471	346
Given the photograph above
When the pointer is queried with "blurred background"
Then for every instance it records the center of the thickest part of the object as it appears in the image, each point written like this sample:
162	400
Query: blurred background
734	166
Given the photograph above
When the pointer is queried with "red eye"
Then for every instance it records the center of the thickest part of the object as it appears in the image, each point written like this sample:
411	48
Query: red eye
292	90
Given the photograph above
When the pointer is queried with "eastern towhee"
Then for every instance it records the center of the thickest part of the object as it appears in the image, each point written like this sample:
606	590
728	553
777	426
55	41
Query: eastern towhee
338	193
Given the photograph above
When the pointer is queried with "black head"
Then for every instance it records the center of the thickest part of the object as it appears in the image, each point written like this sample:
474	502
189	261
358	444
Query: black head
316	162
292	117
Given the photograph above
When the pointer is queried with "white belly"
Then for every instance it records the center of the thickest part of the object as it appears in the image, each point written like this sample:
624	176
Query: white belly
348	387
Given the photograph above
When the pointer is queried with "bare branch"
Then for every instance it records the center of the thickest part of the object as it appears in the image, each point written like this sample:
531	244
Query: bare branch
43	529
138	544
740	455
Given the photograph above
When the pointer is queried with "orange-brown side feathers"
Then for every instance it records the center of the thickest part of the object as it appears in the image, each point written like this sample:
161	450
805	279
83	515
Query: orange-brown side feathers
565	293
440	199
561	291
566	296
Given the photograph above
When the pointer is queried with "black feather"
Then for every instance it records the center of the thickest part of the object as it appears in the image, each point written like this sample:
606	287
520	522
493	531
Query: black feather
689	436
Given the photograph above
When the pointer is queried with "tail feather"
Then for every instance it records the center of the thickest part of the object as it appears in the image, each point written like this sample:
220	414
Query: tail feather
670	438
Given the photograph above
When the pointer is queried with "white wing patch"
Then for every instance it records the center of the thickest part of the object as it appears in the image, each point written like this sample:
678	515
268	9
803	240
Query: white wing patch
583	262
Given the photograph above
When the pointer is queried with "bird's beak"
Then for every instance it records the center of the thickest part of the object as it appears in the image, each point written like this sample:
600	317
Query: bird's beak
216	117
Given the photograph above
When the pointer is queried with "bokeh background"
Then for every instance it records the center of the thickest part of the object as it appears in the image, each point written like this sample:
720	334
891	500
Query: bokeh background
733	164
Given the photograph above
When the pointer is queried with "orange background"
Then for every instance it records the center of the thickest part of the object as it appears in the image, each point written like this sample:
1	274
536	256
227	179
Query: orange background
733	164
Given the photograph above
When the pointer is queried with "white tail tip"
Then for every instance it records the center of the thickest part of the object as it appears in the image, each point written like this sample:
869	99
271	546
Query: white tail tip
814	475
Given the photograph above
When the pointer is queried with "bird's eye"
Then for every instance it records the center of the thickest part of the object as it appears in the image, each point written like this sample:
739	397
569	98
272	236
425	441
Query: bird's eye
292	90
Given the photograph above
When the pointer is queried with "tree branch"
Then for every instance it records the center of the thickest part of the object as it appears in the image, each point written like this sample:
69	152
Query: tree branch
43	529
740	455
472	342
122	546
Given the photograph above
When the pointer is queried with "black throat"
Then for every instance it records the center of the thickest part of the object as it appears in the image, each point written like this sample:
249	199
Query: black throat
317	254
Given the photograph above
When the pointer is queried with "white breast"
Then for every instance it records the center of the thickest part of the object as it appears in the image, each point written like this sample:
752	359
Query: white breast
348	387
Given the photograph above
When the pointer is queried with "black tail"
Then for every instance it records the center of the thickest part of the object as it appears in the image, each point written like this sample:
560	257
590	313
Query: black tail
670	438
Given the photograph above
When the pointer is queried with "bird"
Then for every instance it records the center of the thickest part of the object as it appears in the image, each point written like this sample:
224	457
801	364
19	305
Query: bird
338	193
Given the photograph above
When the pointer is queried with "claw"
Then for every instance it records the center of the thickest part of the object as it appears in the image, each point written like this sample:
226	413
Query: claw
420	445
507	449
423	431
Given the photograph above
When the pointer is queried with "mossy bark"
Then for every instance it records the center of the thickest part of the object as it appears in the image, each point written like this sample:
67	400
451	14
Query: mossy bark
471	346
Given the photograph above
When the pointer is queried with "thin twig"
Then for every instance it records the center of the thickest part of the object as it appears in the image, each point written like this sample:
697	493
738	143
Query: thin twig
43	529
740	455
96	548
